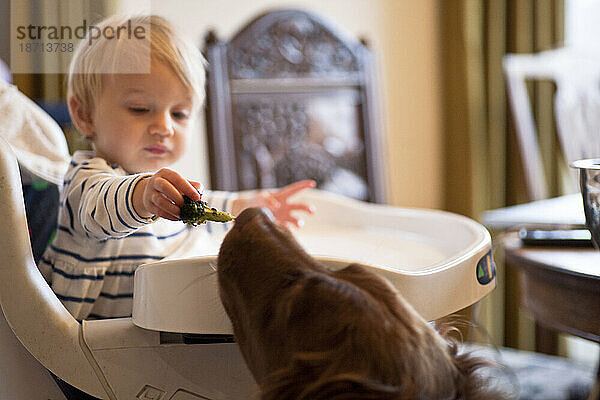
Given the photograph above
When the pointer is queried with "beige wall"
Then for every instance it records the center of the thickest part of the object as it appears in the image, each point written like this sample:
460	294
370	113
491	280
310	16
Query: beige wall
404	36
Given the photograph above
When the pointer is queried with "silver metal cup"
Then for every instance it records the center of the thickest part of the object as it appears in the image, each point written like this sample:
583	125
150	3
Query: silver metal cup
589	183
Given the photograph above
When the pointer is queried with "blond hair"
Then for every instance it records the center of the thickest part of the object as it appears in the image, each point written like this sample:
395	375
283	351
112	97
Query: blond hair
104	52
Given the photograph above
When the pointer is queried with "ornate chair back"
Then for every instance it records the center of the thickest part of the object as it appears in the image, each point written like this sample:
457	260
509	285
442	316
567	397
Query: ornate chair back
289	97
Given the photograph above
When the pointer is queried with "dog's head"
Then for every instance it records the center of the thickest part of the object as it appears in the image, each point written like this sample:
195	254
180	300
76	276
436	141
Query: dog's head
307	332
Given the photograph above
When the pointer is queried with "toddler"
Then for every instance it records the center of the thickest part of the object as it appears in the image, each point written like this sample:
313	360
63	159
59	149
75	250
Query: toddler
120	203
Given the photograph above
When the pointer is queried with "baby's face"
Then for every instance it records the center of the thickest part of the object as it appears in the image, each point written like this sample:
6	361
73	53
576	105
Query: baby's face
142	121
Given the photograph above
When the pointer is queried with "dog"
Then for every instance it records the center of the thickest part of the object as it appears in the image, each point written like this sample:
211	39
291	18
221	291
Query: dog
309	333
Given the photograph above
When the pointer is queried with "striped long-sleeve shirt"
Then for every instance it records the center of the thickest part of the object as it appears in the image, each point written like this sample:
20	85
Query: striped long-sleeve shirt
101	239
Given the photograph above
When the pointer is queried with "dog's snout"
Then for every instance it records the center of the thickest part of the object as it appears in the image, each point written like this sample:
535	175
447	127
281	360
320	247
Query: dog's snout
250	213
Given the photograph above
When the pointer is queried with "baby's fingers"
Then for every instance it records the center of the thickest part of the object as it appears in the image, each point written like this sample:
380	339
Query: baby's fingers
300	207
198	186
176	187
288	219
294	188
166	189
163	207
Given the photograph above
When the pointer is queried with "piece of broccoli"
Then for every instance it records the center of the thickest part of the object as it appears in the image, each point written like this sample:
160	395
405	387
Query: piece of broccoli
198	212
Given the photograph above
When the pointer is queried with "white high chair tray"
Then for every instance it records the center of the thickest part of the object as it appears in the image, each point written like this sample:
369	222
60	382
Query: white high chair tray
439	261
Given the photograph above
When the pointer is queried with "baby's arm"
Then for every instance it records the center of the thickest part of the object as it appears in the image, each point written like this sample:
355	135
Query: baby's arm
161	194
277	202
96	201
101	203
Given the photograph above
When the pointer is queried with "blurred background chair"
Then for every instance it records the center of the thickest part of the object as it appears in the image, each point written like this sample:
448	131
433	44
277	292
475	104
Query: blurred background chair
576	111
290	97
548	143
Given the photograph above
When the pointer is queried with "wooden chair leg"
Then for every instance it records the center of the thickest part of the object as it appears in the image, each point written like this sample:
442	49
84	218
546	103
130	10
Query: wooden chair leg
546	340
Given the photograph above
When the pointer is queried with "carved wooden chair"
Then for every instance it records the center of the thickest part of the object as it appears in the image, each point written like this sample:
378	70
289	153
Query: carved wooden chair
290	97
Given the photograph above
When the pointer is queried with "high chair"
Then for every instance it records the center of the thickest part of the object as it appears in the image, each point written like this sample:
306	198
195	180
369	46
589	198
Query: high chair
178	343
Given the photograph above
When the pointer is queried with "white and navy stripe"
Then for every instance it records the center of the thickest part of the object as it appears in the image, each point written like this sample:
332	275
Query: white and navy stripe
101	240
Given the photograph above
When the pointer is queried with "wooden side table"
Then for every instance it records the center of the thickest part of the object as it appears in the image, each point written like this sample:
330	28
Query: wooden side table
560	286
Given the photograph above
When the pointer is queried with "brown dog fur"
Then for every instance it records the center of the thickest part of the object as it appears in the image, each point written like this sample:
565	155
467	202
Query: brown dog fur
310	333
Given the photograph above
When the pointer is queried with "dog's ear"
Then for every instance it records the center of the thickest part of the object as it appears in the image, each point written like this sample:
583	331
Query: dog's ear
360	276
377	286
355	386
301	381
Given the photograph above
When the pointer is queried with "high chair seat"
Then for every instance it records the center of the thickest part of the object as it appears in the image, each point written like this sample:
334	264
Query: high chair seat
440	262
35	137
116	359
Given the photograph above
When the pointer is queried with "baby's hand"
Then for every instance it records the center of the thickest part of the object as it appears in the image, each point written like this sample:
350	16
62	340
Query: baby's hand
161	194
277	202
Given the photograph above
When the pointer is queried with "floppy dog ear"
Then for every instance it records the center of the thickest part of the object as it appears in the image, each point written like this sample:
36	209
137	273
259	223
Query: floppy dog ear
375	285
346	387
300	382
360	276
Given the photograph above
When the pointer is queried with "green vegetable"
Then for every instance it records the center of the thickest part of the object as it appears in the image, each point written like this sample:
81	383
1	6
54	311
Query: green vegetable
198	212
